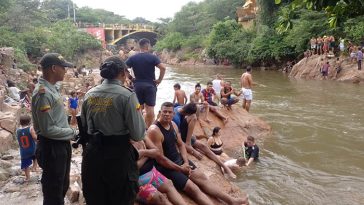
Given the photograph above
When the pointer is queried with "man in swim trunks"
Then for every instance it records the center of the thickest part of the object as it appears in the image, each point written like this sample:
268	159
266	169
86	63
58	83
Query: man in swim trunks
185	119
152	184
145	84
246	82
166	138
226	98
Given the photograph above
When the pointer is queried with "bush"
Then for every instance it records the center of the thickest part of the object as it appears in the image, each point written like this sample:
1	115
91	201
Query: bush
172	42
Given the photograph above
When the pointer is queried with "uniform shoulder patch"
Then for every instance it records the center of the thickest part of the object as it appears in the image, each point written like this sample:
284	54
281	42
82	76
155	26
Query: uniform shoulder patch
138	106
45	108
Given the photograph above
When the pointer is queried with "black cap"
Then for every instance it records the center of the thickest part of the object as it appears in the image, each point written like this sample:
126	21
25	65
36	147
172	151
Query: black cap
51	59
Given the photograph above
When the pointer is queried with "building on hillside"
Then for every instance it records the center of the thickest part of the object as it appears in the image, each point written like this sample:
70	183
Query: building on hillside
247	13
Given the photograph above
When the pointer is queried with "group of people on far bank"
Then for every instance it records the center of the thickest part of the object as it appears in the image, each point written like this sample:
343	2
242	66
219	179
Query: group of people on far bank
128	155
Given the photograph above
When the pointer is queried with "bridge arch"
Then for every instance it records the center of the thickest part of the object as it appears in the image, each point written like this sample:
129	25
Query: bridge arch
137	35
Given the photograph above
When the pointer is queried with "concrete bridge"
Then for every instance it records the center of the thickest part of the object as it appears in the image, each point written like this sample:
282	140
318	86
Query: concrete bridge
115	34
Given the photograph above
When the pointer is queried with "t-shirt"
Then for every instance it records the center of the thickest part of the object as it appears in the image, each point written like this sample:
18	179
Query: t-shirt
230	162
359	55
14	93
208	95
26	143
216	84
252	152
177	118
73	102
143	65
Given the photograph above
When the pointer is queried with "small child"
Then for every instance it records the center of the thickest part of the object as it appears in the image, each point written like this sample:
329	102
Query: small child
73	105
26	138
179	96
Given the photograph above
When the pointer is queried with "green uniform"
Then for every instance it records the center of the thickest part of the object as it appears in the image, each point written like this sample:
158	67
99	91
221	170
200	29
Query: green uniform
113	110
49	116
109	169
54	134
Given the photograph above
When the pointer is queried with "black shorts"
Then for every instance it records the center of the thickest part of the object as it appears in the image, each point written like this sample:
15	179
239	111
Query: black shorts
146	93
179	179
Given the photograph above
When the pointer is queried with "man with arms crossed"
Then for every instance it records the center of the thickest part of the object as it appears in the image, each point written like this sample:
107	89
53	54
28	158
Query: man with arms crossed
246	82
145	85
165	137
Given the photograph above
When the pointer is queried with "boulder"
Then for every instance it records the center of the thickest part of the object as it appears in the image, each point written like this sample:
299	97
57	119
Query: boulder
13	108
4	175
5	164
309	68
240	125
8	121
6	140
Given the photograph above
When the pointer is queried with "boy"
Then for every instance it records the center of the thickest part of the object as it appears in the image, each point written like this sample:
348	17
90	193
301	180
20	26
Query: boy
179	95
26	137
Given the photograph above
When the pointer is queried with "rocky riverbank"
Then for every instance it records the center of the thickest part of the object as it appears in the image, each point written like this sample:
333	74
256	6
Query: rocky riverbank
14	190
309	69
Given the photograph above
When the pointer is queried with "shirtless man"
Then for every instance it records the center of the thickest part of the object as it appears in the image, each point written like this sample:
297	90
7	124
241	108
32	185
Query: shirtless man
179	95
196	185
152	184
246	82
202	106
226	98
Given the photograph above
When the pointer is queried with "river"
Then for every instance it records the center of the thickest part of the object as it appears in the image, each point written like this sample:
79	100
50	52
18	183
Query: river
315	154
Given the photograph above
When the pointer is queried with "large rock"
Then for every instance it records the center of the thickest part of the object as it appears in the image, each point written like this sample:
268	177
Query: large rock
240	125
13	108
309	68
6	140
4	175
8	121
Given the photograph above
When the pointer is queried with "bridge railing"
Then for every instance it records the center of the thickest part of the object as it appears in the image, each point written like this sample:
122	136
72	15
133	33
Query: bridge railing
116	26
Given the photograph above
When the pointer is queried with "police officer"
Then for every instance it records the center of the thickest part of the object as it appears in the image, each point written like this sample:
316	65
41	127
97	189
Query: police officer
54	133
111	116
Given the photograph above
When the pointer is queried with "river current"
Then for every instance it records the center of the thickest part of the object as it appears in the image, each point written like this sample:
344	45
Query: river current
315	154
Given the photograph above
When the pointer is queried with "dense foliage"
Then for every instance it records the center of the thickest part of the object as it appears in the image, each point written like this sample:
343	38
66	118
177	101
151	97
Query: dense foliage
280	33
34	27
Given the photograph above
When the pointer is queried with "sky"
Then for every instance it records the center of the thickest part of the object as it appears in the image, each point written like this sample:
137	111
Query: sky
148	9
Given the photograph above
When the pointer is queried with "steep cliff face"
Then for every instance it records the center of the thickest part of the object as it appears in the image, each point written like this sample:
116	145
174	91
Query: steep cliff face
309	68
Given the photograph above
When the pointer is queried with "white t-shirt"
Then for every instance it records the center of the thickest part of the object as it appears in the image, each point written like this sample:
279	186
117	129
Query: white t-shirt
216	84
14	93
230	162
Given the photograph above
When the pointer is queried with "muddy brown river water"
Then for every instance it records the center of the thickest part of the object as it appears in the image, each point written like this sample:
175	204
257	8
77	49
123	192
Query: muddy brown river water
316	152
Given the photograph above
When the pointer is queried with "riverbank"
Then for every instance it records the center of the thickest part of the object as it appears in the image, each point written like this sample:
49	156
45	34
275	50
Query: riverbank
309	69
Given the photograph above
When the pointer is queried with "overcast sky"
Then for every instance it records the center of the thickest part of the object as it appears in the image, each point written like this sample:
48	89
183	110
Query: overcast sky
148	9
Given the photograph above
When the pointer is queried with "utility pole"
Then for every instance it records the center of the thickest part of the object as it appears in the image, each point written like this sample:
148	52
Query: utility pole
74	13
68	9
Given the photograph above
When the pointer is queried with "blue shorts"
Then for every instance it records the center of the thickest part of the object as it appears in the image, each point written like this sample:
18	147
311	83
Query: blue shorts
25	163
146	93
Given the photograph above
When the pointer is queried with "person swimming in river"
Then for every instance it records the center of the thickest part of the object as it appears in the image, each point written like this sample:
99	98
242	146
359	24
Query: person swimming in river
180	97
250	150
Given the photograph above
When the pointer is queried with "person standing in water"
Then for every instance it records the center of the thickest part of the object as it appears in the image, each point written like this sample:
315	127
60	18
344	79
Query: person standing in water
246	82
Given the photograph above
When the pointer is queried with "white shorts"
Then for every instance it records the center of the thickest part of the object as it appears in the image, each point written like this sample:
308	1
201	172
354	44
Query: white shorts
247	94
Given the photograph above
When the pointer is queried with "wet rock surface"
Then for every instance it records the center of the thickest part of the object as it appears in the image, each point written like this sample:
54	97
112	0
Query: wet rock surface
309	69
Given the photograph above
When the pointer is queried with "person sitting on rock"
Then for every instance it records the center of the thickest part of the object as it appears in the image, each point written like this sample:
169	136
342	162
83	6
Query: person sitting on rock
202	106
152	184
209	94
215	143
13	91
236	164
180	97
196	185
27	138
226	99
185	119
250	150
